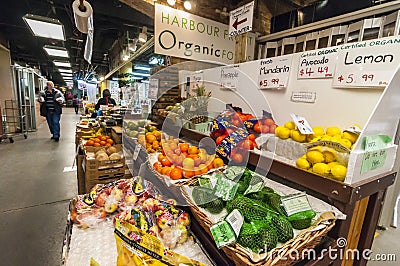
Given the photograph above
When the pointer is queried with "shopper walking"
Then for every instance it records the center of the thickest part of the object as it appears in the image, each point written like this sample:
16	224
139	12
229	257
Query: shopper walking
51	101
76	103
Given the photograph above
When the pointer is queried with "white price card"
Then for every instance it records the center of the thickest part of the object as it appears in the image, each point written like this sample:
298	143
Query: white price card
230	77
196	81
317	64
302	124
153	89
368	63
296	203
136	152
274	72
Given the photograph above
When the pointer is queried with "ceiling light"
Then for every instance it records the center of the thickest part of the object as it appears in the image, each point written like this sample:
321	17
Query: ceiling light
142	68
141	74
171	2
63	70
143	35
62	64
136	78
56	51
187	5
45	27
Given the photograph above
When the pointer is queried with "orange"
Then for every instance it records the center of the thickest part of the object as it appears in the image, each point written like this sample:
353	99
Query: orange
166	170
108	145
90	143
184	147
103	143
272	129
160	157
265	129
110	141
103	138
155	144
99	137
269	122
177	151
176	174
157	166
237	157
97	140
257	127
252	137
185	154
197	172
107	137
150	138
203	168
166	162
179	160
96	144
218	162
197	161
193	150
188	174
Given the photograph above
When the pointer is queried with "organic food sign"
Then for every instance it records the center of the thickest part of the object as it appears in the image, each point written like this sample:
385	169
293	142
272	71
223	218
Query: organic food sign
274	72
367	64
317	64
185	35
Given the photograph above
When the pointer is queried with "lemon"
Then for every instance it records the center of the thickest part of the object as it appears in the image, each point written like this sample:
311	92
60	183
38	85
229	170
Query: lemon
277	130
345	142
332	131
316	148
339	172
336	138
318	131
350	136
315	156
321	169
326	137
302	163
290	125
284	133
314	139
332	164
329	156
297	136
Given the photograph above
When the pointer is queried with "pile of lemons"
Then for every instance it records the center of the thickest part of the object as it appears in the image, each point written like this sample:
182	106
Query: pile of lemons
324	162
289	130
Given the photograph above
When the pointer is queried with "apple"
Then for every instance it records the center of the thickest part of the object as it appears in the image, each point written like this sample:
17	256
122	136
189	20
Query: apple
150	204
184	219
131	199
117	193
101	199
110	207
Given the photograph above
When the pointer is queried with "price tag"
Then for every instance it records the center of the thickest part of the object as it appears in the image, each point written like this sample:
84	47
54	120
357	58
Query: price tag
235	220
295	203
304	96
367	64
375	152
223	234
196	81
229	77
153	89
226	189
302	124
317	64
274	72
136	152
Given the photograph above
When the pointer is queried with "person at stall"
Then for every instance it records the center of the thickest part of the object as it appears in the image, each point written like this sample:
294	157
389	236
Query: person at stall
76	103
106	100
51	101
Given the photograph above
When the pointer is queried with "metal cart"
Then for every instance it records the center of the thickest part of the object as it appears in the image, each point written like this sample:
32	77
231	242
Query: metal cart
13	121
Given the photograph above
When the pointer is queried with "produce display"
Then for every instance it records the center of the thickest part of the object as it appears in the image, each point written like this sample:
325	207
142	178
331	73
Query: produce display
265	220
99	139
134	128
104	154
182	160
151	140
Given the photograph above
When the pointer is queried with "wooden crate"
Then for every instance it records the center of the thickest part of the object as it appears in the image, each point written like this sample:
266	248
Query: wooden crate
105	176
116	134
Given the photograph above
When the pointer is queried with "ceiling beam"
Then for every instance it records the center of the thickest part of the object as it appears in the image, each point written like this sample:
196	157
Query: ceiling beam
144	6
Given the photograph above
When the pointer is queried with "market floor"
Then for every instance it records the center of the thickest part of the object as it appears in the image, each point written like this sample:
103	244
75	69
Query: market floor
35	193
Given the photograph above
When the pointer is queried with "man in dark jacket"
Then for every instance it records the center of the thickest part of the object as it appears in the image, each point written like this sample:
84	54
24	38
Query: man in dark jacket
53	100
106	100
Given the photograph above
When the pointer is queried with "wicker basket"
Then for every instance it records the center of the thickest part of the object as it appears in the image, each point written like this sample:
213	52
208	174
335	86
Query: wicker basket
306	239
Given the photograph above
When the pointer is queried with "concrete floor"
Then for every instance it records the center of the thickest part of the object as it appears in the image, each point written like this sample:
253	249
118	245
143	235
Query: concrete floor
35	193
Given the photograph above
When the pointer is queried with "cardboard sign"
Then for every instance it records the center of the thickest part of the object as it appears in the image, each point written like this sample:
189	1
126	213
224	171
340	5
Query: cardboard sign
274	72
241	19
317	64
367	64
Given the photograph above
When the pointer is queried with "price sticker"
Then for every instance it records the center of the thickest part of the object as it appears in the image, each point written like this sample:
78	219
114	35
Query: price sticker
317	64
296	203
235	220
274	72
223	234
136	152
375	152
302	124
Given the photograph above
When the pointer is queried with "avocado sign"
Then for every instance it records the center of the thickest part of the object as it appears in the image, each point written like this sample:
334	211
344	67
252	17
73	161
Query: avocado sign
184	35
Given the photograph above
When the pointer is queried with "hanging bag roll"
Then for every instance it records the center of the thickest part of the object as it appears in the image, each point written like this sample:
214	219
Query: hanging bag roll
82	17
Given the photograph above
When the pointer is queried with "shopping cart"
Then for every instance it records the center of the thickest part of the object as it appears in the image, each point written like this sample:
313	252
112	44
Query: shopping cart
13	121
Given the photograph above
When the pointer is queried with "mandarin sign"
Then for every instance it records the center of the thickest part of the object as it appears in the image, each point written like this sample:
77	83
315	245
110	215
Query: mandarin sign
184	35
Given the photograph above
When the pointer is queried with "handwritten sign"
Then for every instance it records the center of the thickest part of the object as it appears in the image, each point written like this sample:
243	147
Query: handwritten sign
367	64
375	152
274	72
302	124
241	19
153	89
317	64
196	81
229	77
